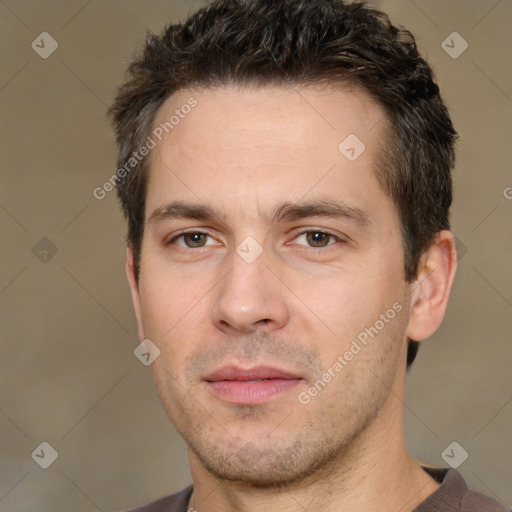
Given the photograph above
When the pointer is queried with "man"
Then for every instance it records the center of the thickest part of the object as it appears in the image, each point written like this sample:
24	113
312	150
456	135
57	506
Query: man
285	169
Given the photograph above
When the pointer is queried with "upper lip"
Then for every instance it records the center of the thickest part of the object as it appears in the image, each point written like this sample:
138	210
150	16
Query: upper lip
245	374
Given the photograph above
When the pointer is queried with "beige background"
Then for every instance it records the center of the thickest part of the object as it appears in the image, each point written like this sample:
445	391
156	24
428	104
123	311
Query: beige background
67	332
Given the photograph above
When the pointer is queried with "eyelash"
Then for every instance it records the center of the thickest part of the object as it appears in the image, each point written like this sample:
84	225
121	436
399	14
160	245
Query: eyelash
305	232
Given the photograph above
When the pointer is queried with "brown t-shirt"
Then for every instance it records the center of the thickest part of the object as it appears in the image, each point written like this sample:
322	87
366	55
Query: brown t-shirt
452	495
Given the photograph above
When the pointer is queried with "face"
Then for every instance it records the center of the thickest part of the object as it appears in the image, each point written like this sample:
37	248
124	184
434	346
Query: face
271	278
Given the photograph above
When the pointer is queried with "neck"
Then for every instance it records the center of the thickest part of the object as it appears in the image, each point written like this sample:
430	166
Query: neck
375	473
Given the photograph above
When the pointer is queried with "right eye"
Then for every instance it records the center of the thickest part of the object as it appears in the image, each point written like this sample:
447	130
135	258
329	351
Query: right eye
191	240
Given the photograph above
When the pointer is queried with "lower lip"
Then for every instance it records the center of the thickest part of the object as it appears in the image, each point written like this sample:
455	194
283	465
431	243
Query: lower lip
251	392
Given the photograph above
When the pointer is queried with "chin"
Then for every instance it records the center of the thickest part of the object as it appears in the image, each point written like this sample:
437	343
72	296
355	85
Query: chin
267	467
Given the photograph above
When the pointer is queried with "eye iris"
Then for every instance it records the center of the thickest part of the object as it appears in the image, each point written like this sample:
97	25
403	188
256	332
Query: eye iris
317	239
314	238
194	239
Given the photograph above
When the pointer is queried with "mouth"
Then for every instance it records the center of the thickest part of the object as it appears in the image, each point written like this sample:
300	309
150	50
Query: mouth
252	386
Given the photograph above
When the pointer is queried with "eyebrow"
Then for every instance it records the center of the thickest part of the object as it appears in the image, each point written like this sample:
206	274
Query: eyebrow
284	212
321	208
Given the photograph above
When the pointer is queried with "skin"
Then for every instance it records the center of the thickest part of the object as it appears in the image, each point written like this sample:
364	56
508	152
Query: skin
298	305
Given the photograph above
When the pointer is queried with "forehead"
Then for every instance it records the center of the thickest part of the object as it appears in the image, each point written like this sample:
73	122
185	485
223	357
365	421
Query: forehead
289	114
264	144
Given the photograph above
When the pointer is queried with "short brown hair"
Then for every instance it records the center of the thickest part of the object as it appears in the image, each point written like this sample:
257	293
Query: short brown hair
295	42
300	43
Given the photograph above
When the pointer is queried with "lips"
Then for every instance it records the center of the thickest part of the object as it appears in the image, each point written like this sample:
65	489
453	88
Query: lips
250	386
258	373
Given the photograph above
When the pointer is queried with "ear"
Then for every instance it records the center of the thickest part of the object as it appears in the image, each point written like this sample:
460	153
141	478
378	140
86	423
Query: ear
134	288
431	289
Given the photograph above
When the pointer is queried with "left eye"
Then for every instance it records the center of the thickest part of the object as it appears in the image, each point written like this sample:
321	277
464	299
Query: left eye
191	240
317	239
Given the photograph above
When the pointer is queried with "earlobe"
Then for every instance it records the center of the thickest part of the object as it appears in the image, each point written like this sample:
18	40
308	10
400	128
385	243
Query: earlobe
134	289
431	289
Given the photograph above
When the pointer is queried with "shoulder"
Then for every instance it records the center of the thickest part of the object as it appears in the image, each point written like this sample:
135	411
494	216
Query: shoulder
173	503
453	495
475	501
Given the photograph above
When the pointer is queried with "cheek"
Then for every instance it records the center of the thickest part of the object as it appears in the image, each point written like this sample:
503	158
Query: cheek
165	313
167	297
344	301
175	308
348	312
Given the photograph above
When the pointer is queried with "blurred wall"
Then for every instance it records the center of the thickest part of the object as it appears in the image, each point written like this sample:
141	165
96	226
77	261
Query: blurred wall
68	376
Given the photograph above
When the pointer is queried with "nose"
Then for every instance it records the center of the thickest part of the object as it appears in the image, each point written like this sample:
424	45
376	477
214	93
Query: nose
250	297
